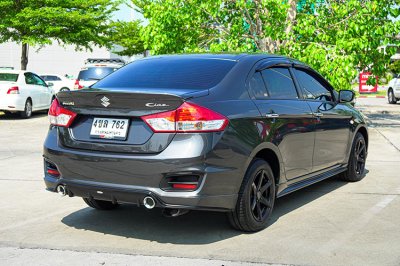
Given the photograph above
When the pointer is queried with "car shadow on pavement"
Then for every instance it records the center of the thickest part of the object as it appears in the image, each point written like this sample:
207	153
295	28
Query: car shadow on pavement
384	120
35	115
194	228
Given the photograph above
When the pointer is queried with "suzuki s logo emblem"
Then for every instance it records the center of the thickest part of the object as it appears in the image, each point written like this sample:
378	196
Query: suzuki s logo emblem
105	101
156	105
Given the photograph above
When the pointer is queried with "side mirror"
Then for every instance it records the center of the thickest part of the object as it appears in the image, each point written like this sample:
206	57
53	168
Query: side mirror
50	84
346	96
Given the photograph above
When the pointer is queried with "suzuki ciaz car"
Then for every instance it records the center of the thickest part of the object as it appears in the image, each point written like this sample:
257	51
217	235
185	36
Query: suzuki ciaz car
226	133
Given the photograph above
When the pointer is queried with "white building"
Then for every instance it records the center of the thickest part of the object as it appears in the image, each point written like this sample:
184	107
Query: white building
50	59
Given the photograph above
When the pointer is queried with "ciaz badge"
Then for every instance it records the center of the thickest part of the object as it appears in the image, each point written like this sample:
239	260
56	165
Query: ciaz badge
156	105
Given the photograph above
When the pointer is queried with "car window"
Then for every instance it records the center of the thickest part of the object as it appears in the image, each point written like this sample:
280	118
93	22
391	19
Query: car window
95	73
279	83
50	78
8	77
311	87
257	87
176	73
39	81
29	79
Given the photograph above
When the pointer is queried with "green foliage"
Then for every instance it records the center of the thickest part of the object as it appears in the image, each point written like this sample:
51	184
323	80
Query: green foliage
39	22
339	38
127	35
335	37
395	67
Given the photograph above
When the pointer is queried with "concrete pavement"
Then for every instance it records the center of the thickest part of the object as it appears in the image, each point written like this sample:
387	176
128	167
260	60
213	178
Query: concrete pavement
330	223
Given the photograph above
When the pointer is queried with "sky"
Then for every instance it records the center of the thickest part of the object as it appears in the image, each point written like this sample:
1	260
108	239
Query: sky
127	13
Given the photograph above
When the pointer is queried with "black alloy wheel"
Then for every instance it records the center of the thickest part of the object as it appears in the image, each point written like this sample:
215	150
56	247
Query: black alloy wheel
261	196
256	198
360	156
356	166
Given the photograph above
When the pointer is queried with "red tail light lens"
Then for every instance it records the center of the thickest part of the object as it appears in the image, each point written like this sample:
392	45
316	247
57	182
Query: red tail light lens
188	117
13	90
53	172
77	86
60	116
185	186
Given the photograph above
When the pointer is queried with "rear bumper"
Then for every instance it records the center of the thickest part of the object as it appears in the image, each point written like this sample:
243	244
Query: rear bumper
135	195
128	178
12	102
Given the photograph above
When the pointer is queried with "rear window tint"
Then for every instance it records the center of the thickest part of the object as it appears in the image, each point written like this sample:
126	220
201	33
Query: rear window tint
95	73
177	73
8	77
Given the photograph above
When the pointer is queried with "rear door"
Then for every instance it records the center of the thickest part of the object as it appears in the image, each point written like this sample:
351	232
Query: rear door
332	128
286	119
45	92
33	90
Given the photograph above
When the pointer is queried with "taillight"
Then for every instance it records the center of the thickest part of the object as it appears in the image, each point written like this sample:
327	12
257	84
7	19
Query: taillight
188	117
60	116
13	90
77	86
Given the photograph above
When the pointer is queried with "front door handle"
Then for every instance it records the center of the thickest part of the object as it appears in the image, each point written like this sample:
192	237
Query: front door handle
272	115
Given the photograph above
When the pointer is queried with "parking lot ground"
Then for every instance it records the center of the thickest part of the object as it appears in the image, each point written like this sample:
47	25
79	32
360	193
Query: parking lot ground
329	223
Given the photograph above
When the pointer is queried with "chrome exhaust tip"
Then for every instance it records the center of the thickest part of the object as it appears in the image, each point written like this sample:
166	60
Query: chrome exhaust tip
149	202
61	190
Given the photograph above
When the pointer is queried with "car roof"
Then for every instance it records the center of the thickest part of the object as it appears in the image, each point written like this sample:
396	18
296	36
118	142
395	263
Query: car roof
225	56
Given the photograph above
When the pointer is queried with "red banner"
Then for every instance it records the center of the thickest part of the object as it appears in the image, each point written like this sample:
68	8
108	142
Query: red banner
363	87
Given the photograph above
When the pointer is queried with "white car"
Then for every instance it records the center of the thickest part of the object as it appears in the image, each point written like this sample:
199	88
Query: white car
58	82
23	92
95	69
394	90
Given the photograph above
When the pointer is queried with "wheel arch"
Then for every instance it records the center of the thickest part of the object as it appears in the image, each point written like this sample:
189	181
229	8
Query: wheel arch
363	130
270	153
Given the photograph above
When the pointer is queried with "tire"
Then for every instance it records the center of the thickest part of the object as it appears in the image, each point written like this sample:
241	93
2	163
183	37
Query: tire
391	98
100	204
27	113
254	206
356	165
64	89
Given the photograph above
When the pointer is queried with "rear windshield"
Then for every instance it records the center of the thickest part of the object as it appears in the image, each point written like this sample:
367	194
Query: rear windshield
95	73
8	77
177	73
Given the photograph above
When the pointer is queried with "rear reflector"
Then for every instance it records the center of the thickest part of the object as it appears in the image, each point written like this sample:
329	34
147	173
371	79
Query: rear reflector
60	116
188	117
53	172
13	90
185	186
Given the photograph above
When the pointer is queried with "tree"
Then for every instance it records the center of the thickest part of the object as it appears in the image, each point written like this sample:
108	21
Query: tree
82	23
336	36
340	37
195	25
395	67
127	35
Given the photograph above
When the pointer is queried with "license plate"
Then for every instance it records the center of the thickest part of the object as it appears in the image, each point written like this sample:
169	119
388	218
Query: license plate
109	128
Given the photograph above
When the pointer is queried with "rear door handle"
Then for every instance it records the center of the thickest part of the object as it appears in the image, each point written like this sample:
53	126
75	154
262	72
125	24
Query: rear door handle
272	115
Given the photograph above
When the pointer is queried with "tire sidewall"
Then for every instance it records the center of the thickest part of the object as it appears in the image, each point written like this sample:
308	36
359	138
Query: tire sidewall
25	113
255	168
353	163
